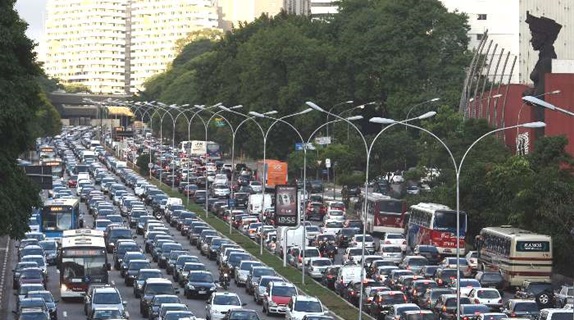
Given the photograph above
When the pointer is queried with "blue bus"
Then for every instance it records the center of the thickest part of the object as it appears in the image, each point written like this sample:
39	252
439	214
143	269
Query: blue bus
58	215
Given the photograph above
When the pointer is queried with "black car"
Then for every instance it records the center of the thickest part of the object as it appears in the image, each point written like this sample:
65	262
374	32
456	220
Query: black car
542	292
199	283
490	279
241	199
315	186
353	190
430	252
241	314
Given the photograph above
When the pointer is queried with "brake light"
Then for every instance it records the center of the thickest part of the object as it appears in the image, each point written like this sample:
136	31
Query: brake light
300	259
443	308
513	314
405	242
465	318
499	300
476	301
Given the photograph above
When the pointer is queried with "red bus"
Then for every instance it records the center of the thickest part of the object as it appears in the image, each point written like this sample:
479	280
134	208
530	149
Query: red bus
435	224
385	214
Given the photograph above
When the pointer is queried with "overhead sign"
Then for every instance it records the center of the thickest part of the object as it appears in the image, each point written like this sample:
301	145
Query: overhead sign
299	146
42	175
323	140
286	206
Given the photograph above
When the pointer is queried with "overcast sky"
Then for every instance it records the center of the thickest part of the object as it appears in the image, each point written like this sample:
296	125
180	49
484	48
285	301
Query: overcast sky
32	11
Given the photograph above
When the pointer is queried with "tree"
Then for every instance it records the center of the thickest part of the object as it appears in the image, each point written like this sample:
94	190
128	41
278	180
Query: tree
19	102
76	88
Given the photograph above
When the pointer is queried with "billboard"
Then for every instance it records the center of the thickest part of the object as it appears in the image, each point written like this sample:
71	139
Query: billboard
286	206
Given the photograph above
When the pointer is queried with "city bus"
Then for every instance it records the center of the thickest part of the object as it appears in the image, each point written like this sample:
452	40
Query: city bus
82	232
46	151
384	214
82	261
435	224
56	163
58	215
517	254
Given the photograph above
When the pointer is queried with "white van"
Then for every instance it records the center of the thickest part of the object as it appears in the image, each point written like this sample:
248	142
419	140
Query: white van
349	274
257	202
174	201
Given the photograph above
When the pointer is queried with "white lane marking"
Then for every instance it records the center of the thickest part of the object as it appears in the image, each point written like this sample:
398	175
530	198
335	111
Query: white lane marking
4	264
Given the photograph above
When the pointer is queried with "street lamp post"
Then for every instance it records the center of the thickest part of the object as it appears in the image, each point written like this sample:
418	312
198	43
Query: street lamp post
333	107
420	104
233	135
457	169
362	106
264	180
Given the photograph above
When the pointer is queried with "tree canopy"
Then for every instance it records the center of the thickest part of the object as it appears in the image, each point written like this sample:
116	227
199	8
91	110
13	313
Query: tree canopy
20	100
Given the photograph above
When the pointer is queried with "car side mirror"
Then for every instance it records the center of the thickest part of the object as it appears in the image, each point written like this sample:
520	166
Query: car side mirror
124	303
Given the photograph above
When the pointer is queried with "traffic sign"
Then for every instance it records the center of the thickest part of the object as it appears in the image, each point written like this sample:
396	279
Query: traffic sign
231	202
328	163
150	165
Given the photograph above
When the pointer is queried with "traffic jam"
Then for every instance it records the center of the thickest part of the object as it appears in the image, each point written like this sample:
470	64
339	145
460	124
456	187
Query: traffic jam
108	243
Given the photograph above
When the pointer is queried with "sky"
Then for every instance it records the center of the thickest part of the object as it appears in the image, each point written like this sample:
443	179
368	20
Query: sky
32	11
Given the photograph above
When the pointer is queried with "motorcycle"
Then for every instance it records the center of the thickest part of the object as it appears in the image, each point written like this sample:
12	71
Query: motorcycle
225	281
331	254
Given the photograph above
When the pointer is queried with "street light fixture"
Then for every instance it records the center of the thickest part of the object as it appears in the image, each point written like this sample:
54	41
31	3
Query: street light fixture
333	107
457	169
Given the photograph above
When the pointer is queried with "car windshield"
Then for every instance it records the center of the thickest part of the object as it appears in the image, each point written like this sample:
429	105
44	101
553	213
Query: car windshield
368	238
395	236
418	262
48	245
321	263
475	309
488	294
420	316
313	229
334	224
308	306
492	277
107	298
159	288
200	277
226	300
47	296
176	315
469	283
107	314
435	294
528	307
165	299
31	274
349	231
312	253
263	272
562	315
33	315
393	298
284	291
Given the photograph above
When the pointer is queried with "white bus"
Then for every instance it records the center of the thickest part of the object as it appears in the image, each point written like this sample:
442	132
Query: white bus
518	254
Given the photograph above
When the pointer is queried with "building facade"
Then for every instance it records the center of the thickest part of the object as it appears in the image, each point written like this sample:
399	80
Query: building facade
113	46
234	12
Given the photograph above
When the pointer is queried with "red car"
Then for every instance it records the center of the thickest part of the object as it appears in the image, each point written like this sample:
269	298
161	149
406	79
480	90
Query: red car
73	181
278	295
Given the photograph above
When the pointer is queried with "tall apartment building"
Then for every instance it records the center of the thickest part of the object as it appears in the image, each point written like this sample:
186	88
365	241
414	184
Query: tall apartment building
113	46
156	25
315	8
85	43
234	12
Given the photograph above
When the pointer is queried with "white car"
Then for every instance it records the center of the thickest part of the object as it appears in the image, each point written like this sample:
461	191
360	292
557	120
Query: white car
395	238
466	285
487	296
331	226
220	303
368	241
353	252
256	186
450	263
316	266
301	306
335	214
311	232
392	252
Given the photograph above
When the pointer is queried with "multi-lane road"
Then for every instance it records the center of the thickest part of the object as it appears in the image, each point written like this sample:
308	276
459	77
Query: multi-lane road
75	310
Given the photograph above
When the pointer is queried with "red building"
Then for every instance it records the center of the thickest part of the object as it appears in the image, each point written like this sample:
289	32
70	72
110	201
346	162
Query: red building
504	107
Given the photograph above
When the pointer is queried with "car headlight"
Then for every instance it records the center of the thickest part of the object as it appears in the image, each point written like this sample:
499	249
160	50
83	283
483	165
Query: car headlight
272	303
190	287
213	288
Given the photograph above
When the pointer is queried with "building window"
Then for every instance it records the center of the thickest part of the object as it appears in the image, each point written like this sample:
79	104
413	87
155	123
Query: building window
481	16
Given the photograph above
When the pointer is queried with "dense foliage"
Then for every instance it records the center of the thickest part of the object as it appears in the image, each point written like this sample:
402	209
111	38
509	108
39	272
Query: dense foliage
20	100
395	54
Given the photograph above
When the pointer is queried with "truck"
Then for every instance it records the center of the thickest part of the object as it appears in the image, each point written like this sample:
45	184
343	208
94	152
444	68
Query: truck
276	173
258	202
290	237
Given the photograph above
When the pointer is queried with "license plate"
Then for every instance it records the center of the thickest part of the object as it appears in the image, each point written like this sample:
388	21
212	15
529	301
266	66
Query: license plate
202	292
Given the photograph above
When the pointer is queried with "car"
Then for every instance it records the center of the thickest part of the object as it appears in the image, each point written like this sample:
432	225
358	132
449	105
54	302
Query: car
241	314
242	272
106	296
151	287
413	190
301	305
256	186
48	298
40	260
220	303
396	311
316	266
556	314
392	252
491	316
199	283
445	306
344	236
31	303
142	276
418	315
160	300
358	241
428	251
431	296
487	296
521	308
394	238
470	310
465	285
382	302
542	292
451	263
18	270
31	275
278	295
490	279
101	313
50	248
178	315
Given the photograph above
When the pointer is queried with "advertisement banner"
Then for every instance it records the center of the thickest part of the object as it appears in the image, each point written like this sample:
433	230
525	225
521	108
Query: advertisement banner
286	206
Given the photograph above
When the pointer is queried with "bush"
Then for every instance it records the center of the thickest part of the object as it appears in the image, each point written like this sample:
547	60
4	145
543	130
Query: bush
351	179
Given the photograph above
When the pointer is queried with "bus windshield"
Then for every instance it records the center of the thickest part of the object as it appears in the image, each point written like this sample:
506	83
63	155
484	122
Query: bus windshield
56	221
391	206
447	220
80	267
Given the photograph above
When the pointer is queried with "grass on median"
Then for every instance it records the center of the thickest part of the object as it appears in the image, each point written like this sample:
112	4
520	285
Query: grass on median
329	299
